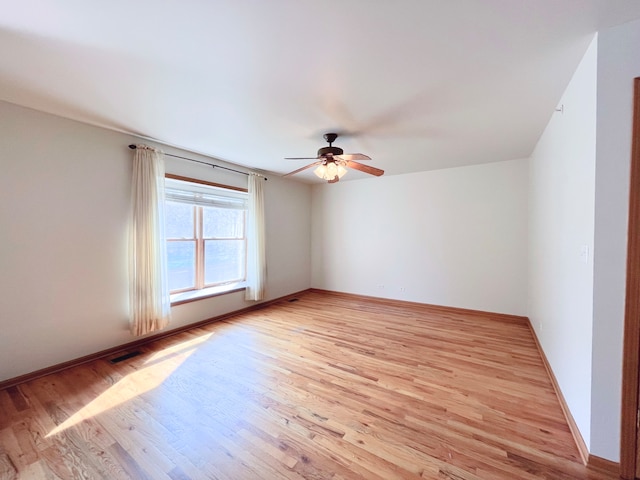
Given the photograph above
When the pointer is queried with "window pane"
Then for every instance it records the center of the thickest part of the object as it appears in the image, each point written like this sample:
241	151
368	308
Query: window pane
223	223
179	220
181	265
224	261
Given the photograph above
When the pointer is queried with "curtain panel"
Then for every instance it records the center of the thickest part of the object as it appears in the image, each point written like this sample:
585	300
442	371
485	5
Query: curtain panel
149	299
256	249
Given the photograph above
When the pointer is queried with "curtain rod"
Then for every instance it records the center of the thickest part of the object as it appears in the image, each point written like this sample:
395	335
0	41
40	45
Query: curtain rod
133	147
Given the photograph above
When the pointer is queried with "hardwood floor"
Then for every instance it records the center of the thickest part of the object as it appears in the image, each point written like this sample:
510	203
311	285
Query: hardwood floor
325	387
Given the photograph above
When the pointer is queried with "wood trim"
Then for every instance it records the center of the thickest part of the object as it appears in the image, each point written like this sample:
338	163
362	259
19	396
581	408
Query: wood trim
603	465
573	427
631	347
434	308
12	382
204	182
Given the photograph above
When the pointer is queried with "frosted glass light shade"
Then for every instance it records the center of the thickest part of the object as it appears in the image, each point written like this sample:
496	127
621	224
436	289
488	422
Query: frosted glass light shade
330	171
321	171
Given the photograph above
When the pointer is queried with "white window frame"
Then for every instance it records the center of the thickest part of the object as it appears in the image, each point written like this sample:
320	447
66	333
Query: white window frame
200	193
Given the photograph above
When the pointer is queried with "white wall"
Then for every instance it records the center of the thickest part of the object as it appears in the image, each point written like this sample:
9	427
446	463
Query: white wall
561	197
618	65
65	192
455	237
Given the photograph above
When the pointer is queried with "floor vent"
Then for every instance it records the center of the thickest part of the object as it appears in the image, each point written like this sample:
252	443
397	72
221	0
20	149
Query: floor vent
124	357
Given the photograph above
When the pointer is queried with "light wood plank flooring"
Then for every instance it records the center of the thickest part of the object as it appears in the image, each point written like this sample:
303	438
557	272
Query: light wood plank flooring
326	387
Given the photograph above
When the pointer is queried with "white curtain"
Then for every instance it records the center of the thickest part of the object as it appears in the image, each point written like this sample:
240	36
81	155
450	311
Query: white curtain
150	304
256	251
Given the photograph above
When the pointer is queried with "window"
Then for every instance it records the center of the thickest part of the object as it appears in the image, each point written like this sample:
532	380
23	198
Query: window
206	235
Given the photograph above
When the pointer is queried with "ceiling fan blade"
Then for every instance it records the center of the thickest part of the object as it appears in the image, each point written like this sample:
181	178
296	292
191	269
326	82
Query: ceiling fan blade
365	168
301	158
353	156
304	168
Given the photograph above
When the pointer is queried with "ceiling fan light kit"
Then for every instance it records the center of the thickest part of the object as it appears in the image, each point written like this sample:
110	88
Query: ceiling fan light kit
332	162
330	171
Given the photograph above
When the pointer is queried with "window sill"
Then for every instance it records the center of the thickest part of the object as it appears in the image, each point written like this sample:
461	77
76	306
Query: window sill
193	295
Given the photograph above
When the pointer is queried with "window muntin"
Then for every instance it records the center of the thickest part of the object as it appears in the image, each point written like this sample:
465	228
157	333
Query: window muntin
206	236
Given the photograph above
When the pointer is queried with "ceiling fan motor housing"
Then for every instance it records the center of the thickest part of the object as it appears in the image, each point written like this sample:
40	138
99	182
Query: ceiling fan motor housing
330	151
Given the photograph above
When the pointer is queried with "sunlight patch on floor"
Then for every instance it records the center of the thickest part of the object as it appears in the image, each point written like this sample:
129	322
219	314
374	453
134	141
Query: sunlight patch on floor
156	370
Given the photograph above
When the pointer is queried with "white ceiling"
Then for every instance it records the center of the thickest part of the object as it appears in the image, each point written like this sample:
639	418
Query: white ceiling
415	84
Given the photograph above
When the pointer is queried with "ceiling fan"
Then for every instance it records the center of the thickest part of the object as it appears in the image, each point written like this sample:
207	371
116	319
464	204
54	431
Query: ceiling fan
332	162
